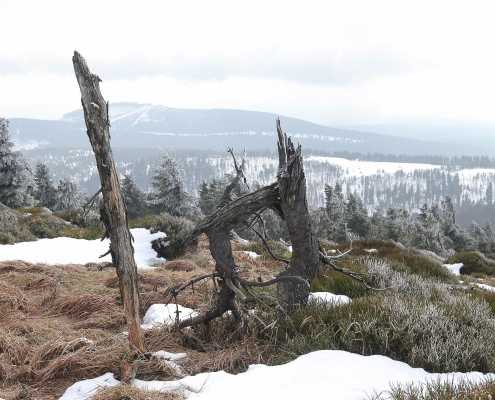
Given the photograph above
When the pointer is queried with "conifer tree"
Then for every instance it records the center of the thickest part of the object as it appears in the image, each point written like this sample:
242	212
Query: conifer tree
68	196
44	190
169	195
16	186
134	198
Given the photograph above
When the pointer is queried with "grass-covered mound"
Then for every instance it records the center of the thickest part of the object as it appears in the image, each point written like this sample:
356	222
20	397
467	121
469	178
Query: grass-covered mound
420	321
474	263
40	223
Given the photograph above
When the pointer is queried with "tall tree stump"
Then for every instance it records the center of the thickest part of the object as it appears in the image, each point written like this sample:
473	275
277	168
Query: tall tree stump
98	129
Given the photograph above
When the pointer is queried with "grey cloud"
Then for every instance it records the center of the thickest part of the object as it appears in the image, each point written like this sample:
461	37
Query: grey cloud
319	69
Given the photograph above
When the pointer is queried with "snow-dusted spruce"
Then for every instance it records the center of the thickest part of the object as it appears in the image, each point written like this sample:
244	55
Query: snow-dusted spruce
45	192
98	130
134	198
169	195
16	184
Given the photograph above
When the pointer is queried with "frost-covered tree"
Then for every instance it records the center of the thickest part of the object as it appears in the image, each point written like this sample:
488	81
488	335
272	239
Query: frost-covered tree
428	231
398	225
335	206
169	195
16	186
134	198
44	190
378	227
489	194
356	217
210	195
68	196
483	237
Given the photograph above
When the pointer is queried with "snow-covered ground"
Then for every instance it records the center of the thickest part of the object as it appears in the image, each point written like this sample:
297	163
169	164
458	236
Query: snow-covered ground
328	298
484	286
166	314
64	250
326	374
365	168
454	268
252	254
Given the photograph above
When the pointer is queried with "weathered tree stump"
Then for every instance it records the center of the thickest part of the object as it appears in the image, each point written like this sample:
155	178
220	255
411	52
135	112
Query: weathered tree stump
98	129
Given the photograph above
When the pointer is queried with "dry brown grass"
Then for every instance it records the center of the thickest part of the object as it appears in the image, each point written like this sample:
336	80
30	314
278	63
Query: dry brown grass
125	392
82	306
12	299
180	265
60	324
233	358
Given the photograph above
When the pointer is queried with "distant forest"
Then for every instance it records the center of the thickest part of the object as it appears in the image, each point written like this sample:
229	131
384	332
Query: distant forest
471	191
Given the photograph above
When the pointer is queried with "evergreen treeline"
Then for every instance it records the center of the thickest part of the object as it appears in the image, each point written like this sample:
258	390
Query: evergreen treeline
433	228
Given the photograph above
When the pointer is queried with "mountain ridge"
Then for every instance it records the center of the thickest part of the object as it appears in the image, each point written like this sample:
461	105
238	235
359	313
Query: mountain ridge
143	125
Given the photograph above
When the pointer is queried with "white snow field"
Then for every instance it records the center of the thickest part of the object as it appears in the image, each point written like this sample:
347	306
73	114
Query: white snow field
325	374
165	314
328	298
365	168
64	250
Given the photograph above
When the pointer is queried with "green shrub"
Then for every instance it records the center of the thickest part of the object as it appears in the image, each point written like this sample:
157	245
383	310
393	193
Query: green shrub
78	217
338	283
418	264
401	258
7	238
416	320
474	263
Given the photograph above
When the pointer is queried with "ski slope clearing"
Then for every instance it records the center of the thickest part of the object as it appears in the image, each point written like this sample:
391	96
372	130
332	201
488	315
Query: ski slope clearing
320	374
64	250
366	168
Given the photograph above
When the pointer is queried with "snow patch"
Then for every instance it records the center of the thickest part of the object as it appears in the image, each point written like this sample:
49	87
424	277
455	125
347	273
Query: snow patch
64	250
454	268
486	287
165	314
165	355
252	254
329	298
84	390
371	251
320	374
367	168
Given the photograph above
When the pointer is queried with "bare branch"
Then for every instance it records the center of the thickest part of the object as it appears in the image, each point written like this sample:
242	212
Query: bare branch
267	247
174	291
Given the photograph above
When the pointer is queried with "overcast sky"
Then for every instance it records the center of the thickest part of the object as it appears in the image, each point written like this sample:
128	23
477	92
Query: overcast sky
332	62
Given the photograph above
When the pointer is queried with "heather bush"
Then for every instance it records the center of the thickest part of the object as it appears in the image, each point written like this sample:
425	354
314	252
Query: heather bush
474	263
420	321
441	390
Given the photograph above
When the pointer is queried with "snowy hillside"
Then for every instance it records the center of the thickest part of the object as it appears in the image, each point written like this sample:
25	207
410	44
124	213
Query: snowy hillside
135	125
380	184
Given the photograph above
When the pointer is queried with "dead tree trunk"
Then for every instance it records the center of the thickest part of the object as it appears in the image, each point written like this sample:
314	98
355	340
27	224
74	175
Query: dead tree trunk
287	197
305	260
98	130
